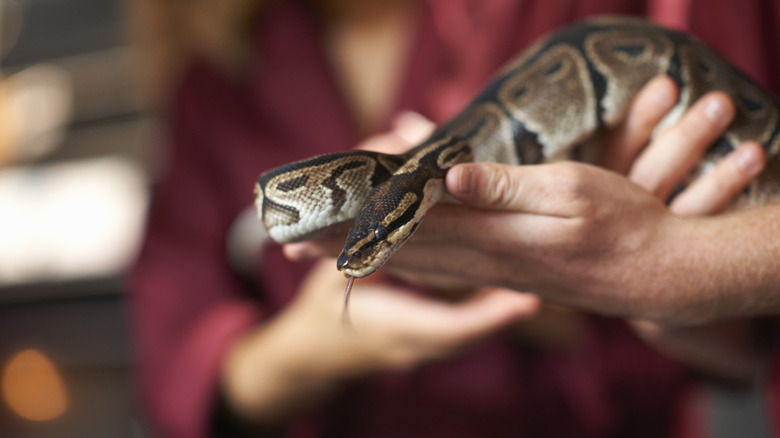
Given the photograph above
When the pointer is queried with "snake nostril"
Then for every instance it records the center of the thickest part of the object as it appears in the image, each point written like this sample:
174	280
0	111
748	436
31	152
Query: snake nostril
342	261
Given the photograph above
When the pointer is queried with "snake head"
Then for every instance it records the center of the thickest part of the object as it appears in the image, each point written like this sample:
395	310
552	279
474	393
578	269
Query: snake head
386	220
388	217
366	250
393	210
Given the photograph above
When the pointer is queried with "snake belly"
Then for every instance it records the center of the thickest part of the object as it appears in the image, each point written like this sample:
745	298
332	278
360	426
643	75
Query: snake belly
543	106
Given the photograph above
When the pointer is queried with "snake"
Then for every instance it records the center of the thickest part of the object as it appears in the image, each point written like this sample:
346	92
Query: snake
548	104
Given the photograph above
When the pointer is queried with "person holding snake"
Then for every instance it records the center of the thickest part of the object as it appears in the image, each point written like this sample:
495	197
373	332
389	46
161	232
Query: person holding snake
216	356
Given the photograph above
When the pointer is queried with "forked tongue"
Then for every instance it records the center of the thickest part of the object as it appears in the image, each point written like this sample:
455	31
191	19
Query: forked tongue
345	320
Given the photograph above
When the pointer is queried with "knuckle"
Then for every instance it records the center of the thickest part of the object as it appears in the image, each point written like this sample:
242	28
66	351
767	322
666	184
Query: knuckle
654	101
573	184
714	110
502	189
746	162
648	180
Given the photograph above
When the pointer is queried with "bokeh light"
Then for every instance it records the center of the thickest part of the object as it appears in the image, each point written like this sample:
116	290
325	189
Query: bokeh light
33	388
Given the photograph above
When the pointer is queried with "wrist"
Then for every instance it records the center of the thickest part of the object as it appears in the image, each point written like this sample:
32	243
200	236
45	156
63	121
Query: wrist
721	267
273	374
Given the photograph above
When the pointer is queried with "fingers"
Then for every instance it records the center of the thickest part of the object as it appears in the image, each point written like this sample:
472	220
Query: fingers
670	157
652	103
714	191
431	329
466	266
525	203
412	127
725	349
409	129
327	247
483	314
502	187
387	143
486	185
396	329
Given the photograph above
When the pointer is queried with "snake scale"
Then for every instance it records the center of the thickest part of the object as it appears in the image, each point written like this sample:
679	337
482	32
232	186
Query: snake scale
543	106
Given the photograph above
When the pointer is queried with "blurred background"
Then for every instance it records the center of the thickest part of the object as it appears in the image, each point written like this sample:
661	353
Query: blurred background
75	160
78	159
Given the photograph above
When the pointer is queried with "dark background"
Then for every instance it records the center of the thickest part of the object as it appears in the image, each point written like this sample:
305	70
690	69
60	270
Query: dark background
80	323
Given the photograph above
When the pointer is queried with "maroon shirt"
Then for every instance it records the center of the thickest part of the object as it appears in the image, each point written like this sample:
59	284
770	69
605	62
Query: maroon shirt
188	305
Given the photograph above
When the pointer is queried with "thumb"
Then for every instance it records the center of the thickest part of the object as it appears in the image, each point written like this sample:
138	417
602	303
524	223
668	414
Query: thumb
485	185
495	186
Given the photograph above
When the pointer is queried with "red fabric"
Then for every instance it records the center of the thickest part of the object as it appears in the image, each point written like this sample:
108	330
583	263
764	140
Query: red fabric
188	306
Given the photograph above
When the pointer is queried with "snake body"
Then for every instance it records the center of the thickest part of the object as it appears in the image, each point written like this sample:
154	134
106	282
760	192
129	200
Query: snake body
543	106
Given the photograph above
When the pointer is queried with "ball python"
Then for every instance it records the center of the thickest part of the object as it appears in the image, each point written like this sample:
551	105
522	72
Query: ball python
546	105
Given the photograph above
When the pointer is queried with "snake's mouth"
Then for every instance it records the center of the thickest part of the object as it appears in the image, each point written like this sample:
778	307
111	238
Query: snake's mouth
358	273
365	263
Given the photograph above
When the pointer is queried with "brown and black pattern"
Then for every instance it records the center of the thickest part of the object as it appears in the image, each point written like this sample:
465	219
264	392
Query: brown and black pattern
556	86
319	191
543	106
397	205
486	124
626	62
703	70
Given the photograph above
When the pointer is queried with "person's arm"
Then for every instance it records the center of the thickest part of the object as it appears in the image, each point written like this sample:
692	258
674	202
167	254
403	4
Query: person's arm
687	270
591	238
586	237
199	336
297	360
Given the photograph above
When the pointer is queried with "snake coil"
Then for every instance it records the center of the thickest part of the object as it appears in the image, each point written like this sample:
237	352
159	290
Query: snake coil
543	106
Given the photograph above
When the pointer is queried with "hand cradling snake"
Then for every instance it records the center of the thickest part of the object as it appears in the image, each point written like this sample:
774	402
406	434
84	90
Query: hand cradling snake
542	107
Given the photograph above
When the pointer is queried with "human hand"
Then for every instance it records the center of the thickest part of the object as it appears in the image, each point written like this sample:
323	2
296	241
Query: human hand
667	160
479	244
301	356
681	146
725	349
602	227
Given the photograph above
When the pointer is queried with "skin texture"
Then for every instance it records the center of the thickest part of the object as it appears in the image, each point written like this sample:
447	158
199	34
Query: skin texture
532	221
587	237
627	257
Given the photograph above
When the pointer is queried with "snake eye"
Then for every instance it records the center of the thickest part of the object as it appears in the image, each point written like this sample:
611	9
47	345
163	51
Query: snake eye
380	232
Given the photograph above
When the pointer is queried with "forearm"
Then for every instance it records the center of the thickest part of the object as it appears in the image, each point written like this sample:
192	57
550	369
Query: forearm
723	272
728	265
295	361
272	375
728	351
305	354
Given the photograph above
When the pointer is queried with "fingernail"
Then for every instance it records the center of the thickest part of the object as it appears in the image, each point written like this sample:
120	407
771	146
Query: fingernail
749	161
716	111
465	180
662	93
300	251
